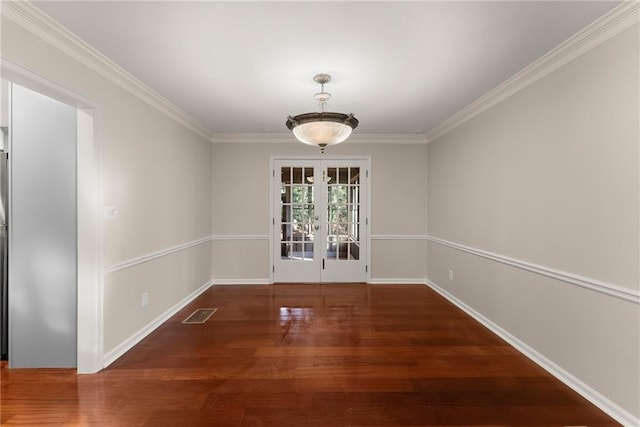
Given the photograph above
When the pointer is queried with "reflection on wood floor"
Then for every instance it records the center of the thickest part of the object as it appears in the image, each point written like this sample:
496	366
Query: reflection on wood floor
307	355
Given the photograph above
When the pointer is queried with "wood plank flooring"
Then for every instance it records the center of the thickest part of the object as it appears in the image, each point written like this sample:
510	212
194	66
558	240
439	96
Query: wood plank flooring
307	355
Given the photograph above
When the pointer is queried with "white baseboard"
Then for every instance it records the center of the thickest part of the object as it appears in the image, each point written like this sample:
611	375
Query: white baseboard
611	408
373	281
397	281
385	281
134	339
222	282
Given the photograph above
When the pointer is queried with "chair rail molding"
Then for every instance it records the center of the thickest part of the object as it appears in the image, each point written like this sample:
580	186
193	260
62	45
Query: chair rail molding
605	288
399	237
240	237
153	255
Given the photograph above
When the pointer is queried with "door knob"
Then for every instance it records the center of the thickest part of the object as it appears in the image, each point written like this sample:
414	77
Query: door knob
316	227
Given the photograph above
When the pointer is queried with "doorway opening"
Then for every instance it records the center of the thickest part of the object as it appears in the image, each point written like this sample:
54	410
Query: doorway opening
88	210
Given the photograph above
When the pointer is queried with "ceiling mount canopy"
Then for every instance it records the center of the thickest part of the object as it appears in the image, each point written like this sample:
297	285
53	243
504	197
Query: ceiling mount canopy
322	128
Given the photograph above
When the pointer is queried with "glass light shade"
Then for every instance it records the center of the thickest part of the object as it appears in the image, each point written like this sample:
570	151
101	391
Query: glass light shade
322	133
322	129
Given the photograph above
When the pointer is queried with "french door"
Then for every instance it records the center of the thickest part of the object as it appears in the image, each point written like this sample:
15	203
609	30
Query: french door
320	220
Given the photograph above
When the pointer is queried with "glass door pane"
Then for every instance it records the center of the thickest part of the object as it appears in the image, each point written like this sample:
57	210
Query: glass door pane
296	245
343	213
297	213
344	210
319	220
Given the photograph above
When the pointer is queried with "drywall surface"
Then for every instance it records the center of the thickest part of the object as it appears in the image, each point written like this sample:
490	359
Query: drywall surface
241	205
550	176
156	172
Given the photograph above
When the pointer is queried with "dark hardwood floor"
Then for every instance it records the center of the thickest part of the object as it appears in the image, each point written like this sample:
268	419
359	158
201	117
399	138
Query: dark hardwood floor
307	355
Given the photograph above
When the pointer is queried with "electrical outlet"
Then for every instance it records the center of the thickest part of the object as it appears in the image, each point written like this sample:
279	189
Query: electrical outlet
450	274
145	299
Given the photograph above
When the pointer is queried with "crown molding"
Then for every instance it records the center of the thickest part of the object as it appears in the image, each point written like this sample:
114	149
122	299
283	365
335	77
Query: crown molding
29	17
609	25
41	25
280	138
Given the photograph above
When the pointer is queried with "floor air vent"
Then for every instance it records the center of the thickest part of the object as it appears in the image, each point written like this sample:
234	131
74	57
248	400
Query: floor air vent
201	315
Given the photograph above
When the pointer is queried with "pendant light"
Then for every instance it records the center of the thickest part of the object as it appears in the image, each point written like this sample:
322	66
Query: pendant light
322	128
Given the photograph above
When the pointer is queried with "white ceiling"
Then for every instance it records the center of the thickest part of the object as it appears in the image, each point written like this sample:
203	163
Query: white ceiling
400	67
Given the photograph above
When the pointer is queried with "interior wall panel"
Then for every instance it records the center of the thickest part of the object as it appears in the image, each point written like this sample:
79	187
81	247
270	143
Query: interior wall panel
155	171
398	260
241	205
241	261
550	176
163	282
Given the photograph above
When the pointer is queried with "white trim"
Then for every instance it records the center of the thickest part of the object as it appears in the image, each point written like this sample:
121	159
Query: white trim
375	281
601	401
240	237
134	339
368	220
46	28
163	252
250	282
89	311
151	256
613	23
399	237
398	281
271	217
625	294
27	78
288	138
273	158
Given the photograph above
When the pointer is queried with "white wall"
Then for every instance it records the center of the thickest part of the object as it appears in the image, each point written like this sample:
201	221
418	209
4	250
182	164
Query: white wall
241	179
550	176
158	174
42	272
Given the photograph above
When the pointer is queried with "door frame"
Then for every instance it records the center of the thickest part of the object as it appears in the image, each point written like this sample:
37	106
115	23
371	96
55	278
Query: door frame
89	285
367	239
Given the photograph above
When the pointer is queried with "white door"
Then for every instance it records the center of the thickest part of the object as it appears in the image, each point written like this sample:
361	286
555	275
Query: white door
320	220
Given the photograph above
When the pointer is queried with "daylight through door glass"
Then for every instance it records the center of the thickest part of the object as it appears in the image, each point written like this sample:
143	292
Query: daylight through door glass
343	213
296	213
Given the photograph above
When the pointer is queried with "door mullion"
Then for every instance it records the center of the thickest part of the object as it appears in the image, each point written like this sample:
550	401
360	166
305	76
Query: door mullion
320	210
